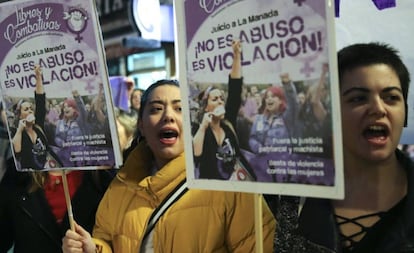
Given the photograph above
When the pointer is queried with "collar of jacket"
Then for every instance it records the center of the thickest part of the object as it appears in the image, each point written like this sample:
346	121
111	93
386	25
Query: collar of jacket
136	170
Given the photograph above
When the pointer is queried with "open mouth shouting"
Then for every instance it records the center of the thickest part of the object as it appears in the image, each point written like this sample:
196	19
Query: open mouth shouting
376	134
168	136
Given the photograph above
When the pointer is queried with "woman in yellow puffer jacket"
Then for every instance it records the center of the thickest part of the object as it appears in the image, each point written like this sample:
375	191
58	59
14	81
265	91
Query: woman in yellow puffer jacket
199	221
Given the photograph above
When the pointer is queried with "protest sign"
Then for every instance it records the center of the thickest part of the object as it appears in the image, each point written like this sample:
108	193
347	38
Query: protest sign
54	80
274	140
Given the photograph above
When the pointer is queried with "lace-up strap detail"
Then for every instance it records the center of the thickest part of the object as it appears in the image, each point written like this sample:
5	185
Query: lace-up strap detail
349	241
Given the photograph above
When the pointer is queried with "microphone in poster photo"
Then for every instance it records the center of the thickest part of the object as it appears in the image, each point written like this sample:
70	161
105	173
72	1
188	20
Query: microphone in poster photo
29	140
215	137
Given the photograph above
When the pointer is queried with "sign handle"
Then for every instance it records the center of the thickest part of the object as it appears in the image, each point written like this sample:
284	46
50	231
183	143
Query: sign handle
68	202
258	207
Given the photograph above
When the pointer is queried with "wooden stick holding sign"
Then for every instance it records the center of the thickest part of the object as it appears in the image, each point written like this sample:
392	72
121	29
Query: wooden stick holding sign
258	197
68	202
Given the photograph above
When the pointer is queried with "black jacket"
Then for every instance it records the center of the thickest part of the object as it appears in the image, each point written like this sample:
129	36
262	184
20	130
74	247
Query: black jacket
26	219
316	231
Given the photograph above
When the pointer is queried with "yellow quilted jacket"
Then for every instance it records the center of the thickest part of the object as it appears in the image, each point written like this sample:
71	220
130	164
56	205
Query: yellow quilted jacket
200	221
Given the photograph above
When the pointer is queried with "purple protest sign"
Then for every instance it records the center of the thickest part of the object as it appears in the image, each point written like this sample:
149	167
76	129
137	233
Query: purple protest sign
383	4
62	38
380	4
279	40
